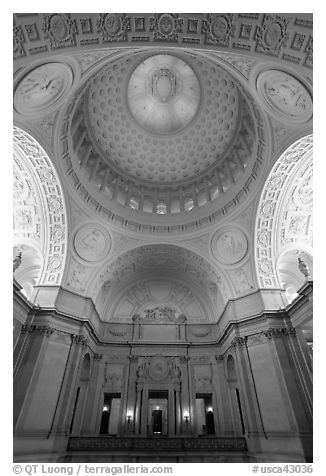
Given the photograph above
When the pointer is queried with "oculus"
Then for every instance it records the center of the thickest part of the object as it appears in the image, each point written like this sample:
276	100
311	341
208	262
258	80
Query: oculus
163	94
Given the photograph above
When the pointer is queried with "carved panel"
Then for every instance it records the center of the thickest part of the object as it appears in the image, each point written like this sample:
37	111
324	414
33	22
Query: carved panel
158	368
218	28
272	35
113	26
60	29
166	26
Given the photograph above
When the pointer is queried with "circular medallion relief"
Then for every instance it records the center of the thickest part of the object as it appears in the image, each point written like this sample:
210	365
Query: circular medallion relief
158	368
229	246
92	243
42	88
163	94
285	96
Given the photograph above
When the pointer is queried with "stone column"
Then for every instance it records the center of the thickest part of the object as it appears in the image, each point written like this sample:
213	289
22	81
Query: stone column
252	412
92	408
171	412
190	427
29	356
222	397
177	390
144	411
67	400
131	385
294	382
139	390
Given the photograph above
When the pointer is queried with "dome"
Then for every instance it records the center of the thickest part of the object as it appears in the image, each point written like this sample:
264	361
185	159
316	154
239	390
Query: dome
155	136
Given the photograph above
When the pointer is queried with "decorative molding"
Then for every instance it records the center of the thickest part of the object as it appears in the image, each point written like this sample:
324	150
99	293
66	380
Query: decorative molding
79	340
288	38
238	341
277	332
39	330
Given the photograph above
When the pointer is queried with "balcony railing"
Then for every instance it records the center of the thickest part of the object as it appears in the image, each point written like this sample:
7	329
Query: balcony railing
107	443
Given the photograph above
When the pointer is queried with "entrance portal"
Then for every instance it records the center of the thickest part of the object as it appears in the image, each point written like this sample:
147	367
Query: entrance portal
157	412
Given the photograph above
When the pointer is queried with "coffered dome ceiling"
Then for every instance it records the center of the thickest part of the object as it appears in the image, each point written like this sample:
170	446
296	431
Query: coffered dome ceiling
158	135
156	142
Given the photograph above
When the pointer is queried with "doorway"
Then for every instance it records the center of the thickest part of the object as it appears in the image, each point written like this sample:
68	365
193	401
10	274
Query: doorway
204	413
157	420
110	414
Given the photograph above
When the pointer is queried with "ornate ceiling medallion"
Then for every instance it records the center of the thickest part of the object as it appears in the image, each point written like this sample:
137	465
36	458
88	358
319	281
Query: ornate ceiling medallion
163	94
43	88
284	96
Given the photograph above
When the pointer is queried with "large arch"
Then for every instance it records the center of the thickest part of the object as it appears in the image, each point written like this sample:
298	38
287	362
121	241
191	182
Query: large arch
284	217
39	211
177	265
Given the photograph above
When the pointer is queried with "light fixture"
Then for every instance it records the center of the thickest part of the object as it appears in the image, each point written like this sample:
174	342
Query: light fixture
129	417
186	416
157	408
210	409
105	408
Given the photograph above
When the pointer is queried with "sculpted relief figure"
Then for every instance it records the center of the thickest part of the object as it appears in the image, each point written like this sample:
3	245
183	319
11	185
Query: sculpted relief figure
91	240
229	245
288	93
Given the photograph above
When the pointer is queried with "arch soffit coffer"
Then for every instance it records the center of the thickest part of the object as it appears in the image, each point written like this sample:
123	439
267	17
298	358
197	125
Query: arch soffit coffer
279	186
53	204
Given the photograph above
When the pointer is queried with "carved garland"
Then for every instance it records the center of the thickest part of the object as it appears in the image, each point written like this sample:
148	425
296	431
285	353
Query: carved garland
54	206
